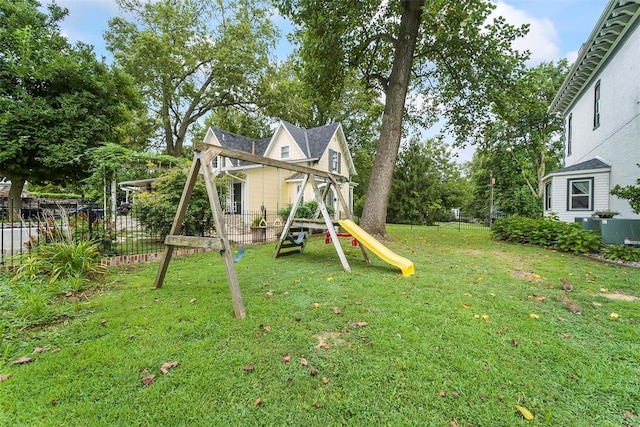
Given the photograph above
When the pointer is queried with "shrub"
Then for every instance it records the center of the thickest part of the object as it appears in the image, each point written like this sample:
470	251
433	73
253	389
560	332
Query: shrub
156	211
305	210
568	237
621	253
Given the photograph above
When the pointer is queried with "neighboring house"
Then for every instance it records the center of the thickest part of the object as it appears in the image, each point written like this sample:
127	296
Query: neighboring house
600	103
254	187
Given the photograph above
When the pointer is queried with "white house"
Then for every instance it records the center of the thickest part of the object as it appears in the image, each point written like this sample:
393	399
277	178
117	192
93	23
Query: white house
600	102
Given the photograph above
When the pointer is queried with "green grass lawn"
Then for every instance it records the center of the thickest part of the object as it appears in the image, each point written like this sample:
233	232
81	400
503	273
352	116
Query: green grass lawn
479	329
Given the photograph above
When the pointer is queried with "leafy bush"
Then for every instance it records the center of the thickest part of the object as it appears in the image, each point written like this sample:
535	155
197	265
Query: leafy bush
48	271
305	210
568	237
156	210
621	253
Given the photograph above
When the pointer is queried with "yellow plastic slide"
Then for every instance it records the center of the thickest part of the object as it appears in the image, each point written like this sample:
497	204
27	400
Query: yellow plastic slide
377	248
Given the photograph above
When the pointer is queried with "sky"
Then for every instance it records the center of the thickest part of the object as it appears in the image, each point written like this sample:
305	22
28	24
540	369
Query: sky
557	27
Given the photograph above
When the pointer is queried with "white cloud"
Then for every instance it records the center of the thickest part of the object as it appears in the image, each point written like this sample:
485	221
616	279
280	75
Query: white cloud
542	39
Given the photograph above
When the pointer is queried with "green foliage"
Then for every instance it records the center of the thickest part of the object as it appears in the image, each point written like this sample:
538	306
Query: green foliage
56	100
568	237
190	57
157	210
305	210
425	181
49	270
630	193
621	253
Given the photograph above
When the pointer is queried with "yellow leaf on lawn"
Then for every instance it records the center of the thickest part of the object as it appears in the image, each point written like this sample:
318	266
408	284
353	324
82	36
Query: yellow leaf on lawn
329	279
315	305
485	317
534	316
525	412
614	315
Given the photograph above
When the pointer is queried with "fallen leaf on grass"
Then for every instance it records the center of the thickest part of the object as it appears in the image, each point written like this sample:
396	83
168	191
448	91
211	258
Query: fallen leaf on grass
40	349
258	402
357	303
628	415
565	336
5	377
465	305
534	316
486	318
525	412
325	380
22	360
329	279
248	368
168	365
336	310
514	342
359	324
304	362
270	293
442	393
148	380
614	315
192	300
286	358
315	305
597	304
454	423
313	372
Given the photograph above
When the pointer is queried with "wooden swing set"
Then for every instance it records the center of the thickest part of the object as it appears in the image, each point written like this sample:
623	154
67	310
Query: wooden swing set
202	161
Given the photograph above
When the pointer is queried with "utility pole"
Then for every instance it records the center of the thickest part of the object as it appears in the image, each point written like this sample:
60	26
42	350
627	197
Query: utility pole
492	182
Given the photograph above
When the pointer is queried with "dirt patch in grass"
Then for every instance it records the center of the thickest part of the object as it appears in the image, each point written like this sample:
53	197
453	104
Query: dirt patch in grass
526	275
328	339
472	252
620	297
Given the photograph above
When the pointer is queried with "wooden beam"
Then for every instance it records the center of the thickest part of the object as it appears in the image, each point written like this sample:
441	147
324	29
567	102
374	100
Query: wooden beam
227	256
254	158
195	242
179	218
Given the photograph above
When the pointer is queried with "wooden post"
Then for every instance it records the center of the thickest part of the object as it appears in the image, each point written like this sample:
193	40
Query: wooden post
214	202
177	221
292	215
344	205
329	222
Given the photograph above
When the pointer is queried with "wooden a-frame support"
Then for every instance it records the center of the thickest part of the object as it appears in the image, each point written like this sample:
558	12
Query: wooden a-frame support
202	158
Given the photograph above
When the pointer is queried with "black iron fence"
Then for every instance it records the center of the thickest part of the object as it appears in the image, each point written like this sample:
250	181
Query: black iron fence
115	233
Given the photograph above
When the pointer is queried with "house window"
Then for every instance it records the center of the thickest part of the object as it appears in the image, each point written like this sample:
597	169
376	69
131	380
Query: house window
580	194
334	161
547	196
596	105
284	152
569	133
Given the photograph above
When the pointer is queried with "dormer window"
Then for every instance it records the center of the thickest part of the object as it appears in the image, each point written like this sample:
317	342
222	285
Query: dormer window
284	152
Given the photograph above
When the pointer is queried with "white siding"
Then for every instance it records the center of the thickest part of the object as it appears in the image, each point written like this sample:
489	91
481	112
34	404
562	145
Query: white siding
617	140
560	191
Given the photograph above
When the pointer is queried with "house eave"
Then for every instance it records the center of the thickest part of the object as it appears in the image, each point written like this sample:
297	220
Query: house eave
615	22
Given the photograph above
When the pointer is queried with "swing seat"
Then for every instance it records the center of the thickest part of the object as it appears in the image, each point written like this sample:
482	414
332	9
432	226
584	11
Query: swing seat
239	255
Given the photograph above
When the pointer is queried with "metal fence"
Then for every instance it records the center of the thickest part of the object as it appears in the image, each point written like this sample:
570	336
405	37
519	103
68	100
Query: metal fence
115	233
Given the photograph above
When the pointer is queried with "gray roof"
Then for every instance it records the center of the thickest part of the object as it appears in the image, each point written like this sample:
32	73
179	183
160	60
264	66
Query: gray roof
583	166
313	142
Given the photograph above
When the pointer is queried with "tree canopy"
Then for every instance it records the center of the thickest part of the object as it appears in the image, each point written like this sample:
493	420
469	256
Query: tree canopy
192	56
56	99
444	55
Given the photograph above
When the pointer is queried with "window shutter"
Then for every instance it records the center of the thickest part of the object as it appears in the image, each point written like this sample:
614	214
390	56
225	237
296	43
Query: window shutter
339	161
331	160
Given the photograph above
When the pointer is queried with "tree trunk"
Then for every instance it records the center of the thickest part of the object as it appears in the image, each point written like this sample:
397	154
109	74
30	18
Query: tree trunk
15	198
374	215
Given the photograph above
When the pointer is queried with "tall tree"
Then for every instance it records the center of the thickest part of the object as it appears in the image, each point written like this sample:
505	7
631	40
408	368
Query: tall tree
425	181
56	100
444	50
191	56
525	131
